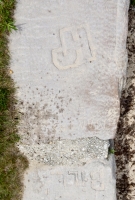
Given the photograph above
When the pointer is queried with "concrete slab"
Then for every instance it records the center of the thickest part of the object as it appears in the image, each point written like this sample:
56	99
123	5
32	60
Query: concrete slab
95	181
69	62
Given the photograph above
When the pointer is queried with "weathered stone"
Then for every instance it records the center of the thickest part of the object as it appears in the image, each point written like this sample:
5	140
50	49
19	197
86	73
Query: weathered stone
93	181
69	61
67	152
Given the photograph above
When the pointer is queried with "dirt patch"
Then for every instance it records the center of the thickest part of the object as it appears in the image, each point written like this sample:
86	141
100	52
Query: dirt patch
125	138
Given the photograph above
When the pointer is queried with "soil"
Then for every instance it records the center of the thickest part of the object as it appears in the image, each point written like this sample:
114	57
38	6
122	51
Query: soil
125	138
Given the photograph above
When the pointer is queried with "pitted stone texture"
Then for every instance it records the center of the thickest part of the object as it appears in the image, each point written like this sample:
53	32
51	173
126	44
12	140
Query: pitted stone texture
93	181
67	152
69	62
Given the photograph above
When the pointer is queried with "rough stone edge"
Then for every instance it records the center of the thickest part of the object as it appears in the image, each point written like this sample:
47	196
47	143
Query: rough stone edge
121	57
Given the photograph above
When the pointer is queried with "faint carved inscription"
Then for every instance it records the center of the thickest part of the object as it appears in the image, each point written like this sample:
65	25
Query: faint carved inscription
94	179
82	181
84	178
97	178
74	39
59	177
75	176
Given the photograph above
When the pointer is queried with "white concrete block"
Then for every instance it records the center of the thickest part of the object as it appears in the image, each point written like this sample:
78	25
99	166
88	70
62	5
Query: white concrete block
69	59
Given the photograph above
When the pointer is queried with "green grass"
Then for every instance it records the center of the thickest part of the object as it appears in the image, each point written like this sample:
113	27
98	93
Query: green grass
112	151
133	2
12	162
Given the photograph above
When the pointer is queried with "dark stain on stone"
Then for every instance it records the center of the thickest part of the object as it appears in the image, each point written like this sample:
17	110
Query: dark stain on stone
90	127
49	115
61	110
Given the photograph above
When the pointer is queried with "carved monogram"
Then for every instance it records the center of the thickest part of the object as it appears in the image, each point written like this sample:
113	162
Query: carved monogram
83	47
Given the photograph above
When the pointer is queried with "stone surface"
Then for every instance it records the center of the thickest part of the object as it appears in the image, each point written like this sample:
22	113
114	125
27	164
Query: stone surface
69	63
93	181
67	152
